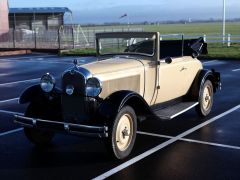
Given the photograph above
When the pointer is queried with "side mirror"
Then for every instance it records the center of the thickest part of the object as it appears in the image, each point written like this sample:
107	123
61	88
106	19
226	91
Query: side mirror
168	60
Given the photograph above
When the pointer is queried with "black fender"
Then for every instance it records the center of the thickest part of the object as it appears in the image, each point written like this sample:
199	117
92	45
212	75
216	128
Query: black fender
35	94
199	80
110	107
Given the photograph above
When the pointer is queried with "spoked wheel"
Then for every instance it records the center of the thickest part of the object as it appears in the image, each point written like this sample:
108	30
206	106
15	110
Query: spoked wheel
123	133
205	99
37	136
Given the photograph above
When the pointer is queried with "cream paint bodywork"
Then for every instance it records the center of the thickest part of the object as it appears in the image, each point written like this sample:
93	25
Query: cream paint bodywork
175	79
144	76
118	74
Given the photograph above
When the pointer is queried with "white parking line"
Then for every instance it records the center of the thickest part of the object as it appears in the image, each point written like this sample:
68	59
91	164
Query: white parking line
10	132
191	140
234	70
9	100
38	61
161	146
22	81
28	57
11	112
212	61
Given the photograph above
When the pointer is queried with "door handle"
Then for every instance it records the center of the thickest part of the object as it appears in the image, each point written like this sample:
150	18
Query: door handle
183	68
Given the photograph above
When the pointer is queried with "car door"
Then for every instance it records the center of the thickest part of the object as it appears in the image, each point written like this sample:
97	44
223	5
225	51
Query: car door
172	80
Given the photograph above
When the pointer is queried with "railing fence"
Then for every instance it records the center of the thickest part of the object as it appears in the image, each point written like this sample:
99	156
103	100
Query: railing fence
63	38
68	37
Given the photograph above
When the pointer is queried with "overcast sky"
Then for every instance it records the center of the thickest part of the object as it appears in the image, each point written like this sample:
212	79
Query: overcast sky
98	11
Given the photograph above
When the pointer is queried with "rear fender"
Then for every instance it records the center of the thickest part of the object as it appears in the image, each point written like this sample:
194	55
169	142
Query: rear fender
201	77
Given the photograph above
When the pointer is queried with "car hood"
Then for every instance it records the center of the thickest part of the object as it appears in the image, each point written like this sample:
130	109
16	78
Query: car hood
118	74
112	66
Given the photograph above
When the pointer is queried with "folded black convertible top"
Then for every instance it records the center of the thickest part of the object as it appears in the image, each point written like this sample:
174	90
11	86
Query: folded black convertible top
187	47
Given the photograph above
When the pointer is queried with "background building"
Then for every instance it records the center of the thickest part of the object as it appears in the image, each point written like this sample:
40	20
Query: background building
4	25
47	18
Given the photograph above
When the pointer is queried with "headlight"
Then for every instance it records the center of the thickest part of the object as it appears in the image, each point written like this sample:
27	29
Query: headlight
93	87
47	83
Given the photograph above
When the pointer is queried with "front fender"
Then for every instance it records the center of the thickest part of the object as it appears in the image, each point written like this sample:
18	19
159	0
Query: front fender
110	107
35	94
31	94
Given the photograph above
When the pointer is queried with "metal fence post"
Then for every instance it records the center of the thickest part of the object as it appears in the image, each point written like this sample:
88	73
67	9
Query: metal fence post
204	38
88	34
14	45
94	37
59	40
229	40
73	38
35	39
182	45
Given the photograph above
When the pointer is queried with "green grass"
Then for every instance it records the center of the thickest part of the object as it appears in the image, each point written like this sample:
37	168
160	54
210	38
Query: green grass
84	52
216	50
187	29
195	28
219	51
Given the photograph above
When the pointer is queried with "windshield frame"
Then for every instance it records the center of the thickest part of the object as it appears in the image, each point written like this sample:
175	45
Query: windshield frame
111	35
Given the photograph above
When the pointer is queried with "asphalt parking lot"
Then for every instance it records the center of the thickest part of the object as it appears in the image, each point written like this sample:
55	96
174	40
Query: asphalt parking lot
187	147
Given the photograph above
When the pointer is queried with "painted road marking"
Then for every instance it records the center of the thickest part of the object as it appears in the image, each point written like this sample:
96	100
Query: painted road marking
190	140
9	100
22	81
29	57
40	61
10	132
234	70
162	145
11	112
210	62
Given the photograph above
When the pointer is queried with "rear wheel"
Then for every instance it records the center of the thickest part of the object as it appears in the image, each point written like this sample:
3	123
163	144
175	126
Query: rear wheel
37	136
205	99
123	133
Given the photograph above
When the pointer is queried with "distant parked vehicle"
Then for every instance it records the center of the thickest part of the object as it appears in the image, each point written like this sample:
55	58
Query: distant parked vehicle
136	76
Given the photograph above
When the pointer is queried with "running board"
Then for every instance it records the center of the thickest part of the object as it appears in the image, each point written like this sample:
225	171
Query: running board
175	110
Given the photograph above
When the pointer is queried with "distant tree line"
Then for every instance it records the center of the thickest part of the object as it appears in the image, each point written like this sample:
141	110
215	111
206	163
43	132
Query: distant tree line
183	21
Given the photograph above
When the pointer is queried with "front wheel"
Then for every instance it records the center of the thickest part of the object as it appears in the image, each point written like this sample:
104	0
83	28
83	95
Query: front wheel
123	133
205	99
37	136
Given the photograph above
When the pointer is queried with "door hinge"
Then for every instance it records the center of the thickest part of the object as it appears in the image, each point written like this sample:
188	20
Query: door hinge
158	87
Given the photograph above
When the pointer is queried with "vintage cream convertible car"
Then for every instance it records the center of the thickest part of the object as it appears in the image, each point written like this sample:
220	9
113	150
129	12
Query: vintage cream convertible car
136	76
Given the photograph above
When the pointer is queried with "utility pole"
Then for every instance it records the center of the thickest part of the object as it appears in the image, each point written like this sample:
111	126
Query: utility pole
224	20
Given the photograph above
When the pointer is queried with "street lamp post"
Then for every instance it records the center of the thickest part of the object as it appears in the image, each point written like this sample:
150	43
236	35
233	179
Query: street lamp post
224	20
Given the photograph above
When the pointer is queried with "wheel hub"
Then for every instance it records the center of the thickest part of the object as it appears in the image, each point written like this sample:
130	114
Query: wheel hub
207	97
124	132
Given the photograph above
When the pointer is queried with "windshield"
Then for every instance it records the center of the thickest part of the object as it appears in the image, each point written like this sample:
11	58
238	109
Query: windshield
128	45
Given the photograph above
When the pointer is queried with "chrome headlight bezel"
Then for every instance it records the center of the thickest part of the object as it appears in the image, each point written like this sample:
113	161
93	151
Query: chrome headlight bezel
47	82
93	87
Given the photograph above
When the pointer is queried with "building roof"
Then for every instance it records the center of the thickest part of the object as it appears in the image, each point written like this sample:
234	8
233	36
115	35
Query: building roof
39	10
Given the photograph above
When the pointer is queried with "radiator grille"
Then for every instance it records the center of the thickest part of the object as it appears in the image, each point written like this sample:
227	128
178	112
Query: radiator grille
75	109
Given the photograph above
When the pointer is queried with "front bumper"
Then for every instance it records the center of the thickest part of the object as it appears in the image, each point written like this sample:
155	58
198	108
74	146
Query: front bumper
75	129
